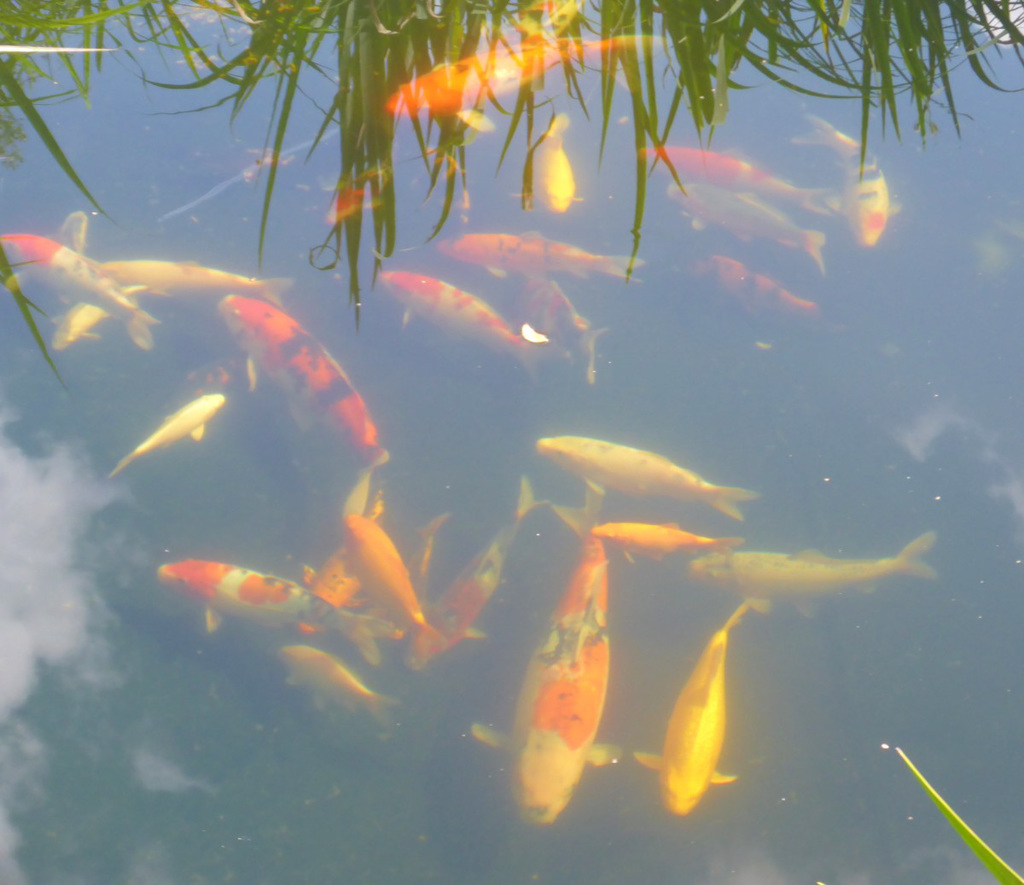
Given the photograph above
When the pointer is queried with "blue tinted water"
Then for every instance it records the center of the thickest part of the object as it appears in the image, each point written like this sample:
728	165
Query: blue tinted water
138	749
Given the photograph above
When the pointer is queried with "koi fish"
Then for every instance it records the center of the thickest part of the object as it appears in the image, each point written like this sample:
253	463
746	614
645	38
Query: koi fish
548	309
533	256
753	290
557	182
733	174
331	682
865	198
800	576
187	278
746	217
639	473
657	541
77	278
455	613
458	312
308	373
378	565
78	323
189	420
230	590
562	698
688	763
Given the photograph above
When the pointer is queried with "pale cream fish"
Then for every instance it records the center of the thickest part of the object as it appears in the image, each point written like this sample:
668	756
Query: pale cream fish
801	577
189	420
189	278
331	682
554	171
77	323
639	473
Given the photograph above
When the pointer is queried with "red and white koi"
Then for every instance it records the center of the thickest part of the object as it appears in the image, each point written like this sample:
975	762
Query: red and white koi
296	361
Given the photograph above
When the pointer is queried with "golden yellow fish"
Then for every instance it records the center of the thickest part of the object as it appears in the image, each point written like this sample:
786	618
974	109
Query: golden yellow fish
332	682
688	763
78	323
799	576
554	171
189	420
636	472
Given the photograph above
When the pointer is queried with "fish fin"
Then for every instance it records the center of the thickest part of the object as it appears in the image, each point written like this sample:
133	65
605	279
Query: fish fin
834	204
476	120
615	266
487	735
74	231
629	556
719	778
406	317
427	642
379	706
909	558
582	519
213	621
250	372
356	500
498	272
474	633
308	629
274	288
600	755
124	462
587	343
761	606
648	760
308	576
138	329
92	335
198	433
814	241
726	498
137	289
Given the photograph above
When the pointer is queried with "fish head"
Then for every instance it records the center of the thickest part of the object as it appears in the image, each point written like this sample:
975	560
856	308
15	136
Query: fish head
710	567
546	776
30	247
195	577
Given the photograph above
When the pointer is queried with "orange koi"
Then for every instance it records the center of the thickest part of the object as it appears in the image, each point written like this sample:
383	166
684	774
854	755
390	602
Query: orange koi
562	698
554	171
657	541
460	605
378	565
230	590
77	279
736	175
754	291
459	312
533	255
308	373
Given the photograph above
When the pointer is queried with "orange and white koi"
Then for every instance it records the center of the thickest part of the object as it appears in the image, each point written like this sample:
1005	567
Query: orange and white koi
230	590
745	216
331	682
533	255
657	541
300	364
456	611
77	323
459	312
378	565
548	310
187	278
639	473
562	698
865	197
799	577
688	763
722	170
189	420
77	278
754	291
554	171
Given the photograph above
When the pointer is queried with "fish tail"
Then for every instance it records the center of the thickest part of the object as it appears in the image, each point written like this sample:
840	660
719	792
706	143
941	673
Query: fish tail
527	501
726	498
825	134
737	615
427	642
588	340
582	519
274	288
821	201
380	705
620	266
363	637
124	462
909	561
814	241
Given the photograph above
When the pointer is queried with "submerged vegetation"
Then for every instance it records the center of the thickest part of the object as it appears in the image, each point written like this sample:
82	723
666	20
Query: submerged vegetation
467	61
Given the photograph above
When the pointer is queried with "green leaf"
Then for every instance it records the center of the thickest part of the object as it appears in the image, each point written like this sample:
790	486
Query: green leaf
996	865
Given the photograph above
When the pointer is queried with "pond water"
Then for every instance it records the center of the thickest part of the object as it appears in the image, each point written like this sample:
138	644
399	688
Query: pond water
140	747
